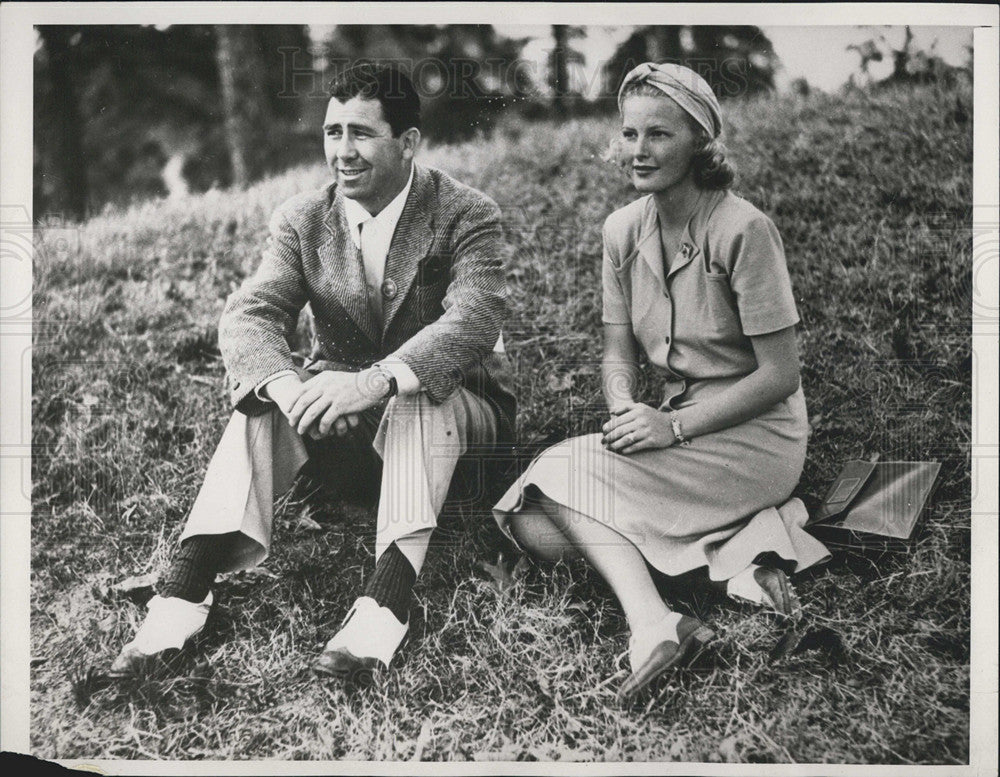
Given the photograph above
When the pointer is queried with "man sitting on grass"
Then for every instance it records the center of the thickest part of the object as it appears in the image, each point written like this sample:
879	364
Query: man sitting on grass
401	267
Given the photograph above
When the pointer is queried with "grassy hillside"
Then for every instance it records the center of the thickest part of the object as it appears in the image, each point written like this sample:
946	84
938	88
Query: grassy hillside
872	196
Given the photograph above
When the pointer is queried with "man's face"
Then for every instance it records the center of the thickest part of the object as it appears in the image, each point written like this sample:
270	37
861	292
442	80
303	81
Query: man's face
371	166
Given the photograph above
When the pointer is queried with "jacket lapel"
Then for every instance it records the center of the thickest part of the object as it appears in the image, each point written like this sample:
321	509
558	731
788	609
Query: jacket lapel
410	243
345	271
694	232
688	252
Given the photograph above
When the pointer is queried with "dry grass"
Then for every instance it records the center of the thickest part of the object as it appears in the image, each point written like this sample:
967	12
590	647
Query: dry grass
128	406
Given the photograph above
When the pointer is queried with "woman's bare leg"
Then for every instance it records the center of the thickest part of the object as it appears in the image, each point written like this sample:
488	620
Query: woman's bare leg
537	534
552	531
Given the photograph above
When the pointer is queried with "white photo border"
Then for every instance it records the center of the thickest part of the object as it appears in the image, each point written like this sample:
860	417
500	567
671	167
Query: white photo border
17	46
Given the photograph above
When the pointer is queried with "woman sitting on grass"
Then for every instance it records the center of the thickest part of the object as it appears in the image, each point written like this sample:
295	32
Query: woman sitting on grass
695	277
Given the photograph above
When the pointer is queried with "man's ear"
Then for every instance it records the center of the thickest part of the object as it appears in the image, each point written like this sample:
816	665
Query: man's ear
411	141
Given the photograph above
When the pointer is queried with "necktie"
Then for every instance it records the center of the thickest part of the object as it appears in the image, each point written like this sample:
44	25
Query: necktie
373	277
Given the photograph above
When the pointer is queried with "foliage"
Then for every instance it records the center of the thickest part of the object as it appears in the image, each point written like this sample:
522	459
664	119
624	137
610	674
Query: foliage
910	64
558	61
736	60
463	72
128	405
145	94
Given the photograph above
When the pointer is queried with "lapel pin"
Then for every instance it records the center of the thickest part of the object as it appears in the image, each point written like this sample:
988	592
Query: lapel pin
389	289
686	249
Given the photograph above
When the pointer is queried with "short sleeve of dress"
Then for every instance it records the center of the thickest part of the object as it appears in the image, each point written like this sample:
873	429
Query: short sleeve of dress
615	308
759	279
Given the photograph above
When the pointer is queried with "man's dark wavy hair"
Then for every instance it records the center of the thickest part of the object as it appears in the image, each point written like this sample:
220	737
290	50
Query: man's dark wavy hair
386	83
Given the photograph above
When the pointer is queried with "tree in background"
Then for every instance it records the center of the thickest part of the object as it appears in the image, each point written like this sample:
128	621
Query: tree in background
142	95
148	115
257	63
60	179
560	58
463	72
266	109
910	64
736	61
244	96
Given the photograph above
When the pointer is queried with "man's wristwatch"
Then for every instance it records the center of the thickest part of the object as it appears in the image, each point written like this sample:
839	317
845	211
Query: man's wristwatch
391	379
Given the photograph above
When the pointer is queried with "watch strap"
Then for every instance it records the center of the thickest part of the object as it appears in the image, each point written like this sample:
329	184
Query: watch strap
393	384
675	425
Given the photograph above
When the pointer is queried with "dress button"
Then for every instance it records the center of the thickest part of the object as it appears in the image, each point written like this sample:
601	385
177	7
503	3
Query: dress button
389	289
667	339
236	385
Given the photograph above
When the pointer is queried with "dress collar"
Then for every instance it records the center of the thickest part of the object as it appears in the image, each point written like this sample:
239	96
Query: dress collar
694	230
651	247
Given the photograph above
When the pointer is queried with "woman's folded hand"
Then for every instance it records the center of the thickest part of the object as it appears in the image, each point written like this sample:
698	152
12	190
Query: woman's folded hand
635	427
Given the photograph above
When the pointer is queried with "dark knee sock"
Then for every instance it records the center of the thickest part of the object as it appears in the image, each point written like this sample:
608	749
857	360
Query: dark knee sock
392	583
193	569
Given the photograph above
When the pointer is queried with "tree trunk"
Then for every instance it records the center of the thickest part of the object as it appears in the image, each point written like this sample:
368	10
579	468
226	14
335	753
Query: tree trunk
64	164
244	98
560	69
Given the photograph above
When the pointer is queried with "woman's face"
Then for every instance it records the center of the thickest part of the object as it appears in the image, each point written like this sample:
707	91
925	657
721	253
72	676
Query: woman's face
657	142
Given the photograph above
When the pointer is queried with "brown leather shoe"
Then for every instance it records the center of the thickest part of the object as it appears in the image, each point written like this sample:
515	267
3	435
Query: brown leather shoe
774	583
693	635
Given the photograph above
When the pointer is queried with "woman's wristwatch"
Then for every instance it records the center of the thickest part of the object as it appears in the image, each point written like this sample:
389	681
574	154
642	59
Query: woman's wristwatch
675	425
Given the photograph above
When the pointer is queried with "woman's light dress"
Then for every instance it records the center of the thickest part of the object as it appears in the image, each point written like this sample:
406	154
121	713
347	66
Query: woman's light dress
715	502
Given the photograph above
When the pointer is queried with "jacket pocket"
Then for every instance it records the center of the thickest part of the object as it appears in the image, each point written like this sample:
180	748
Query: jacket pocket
433	270
626	264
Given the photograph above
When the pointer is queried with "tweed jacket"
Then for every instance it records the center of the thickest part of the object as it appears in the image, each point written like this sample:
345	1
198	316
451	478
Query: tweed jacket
444	296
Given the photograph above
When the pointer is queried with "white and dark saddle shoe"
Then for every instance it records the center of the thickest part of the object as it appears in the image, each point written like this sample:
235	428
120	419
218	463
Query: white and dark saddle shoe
170	622
366	642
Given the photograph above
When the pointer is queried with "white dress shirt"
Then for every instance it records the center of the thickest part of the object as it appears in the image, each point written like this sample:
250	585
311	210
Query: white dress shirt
372	235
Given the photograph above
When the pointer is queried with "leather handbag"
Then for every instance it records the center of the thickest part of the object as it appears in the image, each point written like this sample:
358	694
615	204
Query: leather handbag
875	504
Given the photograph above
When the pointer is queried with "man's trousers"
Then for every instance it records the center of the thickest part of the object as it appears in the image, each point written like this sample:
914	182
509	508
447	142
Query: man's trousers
418	442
